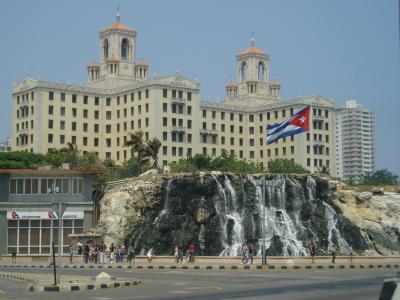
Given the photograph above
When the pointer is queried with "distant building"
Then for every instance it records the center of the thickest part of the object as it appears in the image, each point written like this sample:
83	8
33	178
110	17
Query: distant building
5	146
354	141
28	198
120	99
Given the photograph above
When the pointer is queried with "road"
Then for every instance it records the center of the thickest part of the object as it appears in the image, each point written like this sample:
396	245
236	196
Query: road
219	284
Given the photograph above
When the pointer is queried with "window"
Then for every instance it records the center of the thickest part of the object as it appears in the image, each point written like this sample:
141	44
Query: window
85	141
85	127
232	116
232	129
251	130
73	126
189	124
147	107
96	100
51	109
108	115
180	109
222	127
62	97
147	94
96	128
260	117
276	114
240	118
165	121
77	185
165	107
173	151
51	95
96	114
73	98
108	101
108	142
173	93
283	113
213	114
74	112
165	93
85	99
62	139
268	116
204	113
189	110
251	118
62	111
240	129
189	96
140	95
62	125
232	141
50	124
50	138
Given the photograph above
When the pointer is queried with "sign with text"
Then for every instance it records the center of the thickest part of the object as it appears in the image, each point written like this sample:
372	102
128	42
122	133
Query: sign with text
42	215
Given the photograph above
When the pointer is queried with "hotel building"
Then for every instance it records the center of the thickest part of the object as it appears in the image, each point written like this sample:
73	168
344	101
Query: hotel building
120	98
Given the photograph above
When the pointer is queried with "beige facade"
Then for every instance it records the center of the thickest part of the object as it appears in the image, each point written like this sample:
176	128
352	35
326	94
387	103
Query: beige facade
120	99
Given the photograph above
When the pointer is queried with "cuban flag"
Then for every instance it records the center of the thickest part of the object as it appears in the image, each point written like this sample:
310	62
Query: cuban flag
298	123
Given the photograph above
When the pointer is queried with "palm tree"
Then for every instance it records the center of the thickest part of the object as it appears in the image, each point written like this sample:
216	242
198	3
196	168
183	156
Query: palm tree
137	145
152	149
324	170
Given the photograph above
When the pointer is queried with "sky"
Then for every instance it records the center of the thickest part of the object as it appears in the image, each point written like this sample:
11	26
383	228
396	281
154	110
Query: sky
337	49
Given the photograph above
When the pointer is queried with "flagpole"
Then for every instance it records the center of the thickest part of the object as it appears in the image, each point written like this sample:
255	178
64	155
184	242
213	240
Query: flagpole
312	138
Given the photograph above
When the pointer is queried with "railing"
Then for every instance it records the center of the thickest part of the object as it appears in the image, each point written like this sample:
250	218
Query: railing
178	100
209	131
178	128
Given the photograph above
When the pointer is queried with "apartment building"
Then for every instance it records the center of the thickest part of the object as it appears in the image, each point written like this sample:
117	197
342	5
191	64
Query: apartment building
120	99
354	141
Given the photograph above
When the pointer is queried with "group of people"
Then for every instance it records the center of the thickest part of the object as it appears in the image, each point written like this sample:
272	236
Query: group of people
247	253
98	253
332	250
189	255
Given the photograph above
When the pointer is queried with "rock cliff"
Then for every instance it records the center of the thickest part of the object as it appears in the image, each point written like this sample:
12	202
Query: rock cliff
220	211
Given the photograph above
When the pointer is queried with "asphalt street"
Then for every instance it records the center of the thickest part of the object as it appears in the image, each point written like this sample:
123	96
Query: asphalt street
218	284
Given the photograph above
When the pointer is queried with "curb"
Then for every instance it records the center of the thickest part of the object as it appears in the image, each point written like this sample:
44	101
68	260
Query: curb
17	277
217	267
81	287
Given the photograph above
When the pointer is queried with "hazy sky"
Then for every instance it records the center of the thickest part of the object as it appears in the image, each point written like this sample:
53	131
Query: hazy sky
338	49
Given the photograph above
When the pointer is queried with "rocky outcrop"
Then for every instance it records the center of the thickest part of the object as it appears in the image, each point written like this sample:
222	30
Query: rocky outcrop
220	211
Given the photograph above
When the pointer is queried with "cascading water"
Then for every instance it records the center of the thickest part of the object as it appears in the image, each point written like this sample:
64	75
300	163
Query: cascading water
334	236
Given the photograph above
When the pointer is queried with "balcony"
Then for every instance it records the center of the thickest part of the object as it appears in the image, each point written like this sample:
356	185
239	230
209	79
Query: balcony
23	131
178	100
178	128
209	131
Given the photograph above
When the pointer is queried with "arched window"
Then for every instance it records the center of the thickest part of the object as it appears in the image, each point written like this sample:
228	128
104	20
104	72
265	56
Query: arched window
125	49
261	71
105	49
243	71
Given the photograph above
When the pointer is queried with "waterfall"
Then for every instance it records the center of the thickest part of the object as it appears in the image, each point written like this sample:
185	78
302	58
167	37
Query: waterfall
233	239
334	236
165	210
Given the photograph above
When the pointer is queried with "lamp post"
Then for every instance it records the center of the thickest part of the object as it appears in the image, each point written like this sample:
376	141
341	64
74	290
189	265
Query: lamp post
60	208
263	260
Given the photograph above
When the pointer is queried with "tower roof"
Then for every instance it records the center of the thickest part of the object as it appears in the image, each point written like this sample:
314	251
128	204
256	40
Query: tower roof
252	50
118	26
231	84
141	63
93	64
275	83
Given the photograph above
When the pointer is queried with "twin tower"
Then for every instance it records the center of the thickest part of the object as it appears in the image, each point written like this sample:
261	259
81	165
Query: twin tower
118	66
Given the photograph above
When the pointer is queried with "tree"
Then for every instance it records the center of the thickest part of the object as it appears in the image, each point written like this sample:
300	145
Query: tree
281	166
137	145
324	170
380	177
21	159
151	150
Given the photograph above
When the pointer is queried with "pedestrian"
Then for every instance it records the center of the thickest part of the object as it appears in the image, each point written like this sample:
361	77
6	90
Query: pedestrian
101	254
112	254
313	251
80	248
86	253
176	254
250	254
192	250
150	255
245	252
71	253
333	253
123	249
350	254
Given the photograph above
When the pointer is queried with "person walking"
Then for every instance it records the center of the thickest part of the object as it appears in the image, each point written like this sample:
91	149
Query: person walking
86	253
333	253
313	251
150	255
71	253
245	252
250	254
176	254
192	250
112	254
350	254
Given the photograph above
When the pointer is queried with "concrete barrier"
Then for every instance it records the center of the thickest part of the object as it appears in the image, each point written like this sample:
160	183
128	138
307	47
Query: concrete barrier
391	289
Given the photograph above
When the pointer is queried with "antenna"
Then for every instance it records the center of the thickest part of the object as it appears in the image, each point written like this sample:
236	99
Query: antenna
118	16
